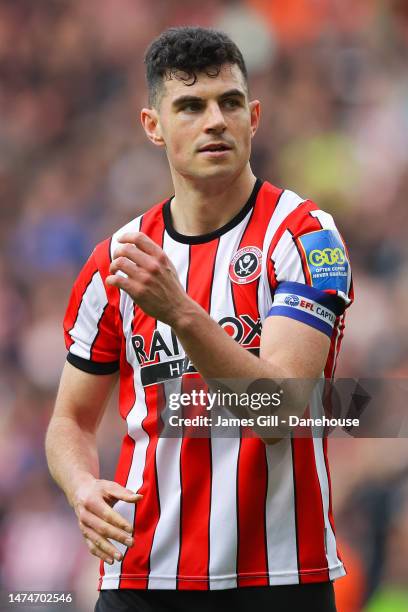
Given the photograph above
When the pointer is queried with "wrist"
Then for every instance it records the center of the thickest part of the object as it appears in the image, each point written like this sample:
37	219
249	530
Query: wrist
81	483
185	315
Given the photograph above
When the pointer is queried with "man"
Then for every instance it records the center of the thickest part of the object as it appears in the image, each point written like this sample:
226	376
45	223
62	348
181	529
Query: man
203	523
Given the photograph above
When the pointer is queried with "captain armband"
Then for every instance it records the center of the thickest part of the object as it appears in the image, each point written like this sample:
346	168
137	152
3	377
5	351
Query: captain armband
307	304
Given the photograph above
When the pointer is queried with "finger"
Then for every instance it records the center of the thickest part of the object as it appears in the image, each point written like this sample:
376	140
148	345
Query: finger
104	510
123	264
108	531
142	241
137	256
118	492
99	546
121	282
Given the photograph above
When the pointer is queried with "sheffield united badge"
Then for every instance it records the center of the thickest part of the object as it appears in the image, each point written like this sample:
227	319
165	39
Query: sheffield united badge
245	266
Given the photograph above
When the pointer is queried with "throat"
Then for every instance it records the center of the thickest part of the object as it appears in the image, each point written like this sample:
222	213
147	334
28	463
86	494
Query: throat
194	213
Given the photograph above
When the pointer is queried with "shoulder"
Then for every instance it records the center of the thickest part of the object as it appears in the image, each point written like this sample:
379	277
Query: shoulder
296	213
103	251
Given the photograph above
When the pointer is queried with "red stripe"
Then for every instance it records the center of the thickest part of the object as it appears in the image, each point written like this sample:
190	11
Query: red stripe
147	514
136	560
195	457
127	395
245	296
107	343
195	512
125	462
252	490
310	528
121	477
80	286
252	472
127	398
108	340
298	222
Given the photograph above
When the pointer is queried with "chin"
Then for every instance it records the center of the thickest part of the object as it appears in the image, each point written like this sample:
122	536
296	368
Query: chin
216	171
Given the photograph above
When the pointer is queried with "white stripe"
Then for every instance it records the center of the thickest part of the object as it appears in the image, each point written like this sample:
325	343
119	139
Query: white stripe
224	451
166	545
317	411
223	516
331	551
165	548
134	424
288	263
85	330
326	220
132	226
280	514
287	203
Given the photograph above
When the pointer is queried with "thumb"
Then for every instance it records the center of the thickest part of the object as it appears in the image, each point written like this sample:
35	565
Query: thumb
118	492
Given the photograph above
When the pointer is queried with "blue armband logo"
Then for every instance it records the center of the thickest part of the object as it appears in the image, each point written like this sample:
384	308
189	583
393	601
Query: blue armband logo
292	300
326	260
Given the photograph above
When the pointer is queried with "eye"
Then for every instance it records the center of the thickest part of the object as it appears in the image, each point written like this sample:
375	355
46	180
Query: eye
192	107
232	103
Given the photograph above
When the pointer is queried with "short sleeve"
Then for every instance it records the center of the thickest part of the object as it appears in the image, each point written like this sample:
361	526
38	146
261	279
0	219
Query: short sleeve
91	320
311	280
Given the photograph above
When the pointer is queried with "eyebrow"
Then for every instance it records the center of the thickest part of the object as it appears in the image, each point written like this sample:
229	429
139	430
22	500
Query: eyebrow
188	99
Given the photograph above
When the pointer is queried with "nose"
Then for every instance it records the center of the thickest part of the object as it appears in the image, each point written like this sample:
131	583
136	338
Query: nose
215	121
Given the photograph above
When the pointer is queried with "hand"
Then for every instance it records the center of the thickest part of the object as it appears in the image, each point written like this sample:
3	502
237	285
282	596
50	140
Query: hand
98	521
151	280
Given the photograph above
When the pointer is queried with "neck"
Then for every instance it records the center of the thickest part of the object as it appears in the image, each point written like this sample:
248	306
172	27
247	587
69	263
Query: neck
205	206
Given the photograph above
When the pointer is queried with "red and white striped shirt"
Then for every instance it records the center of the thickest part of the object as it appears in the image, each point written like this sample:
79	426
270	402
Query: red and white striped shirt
217	513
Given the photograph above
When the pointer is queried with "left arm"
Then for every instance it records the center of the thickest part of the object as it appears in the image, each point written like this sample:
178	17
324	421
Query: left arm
289	349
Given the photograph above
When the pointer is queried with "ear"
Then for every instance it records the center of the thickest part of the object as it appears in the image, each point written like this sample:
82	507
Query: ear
151	125
255	110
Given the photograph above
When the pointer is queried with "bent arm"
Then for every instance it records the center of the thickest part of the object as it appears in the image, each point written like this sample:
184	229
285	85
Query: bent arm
292	358
289	349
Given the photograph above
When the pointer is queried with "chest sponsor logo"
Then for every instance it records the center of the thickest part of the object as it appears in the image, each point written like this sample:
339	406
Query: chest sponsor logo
164	359
245	266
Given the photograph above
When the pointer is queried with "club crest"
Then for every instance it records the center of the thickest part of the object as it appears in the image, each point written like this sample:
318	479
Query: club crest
245	266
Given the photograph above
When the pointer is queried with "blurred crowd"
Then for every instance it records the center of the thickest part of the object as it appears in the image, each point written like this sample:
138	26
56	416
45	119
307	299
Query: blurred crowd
75	166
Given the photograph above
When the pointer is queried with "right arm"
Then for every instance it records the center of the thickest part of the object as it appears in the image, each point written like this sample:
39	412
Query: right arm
93	340
73	460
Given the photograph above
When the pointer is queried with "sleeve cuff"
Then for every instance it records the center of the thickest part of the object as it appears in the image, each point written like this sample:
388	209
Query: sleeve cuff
93	367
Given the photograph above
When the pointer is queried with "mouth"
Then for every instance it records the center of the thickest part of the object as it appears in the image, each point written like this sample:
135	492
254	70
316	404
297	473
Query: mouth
215	151
216	147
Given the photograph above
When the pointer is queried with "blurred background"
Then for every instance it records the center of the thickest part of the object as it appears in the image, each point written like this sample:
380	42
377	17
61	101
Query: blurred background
75	166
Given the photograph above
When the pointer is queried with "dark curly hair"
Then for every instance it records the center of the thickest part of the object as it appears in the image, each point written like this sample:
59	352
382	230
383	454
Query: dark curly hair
185	51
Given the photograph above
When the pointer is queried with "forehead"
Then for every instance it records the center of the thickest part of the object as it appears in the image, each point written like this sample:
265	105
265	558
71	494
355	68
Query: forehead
229	77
